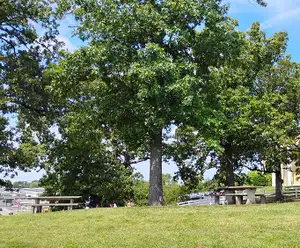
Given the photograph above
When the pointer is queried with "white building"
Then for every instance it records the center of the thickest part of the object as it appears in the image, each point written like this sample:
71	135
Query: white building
31	192
289	175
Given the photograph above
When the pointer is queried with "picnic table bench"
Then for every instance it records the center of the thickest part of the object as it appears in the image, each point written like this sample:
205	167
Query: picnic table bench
239	197
233	194
8	200
53	202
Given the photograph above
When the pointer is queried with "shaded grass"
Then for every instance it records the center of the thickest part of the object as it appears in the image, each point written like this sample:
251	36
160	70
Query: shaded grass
272	225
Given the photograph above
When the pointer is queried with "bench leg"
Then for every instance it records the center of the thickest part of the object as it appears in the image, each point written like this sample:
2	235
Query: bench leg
216	199
39	209
250	196
230	199
263	199
238	199
33	209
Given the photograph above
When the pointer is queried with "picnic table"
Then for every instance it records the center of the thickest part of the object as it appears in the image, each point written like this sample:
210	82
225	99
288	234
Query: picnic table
235	194
53	202
7	199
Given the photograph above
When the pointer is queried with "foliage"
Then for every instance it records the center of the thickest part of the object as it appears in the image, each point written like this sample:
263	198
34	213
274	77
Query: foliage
172	190
20	184
173	193
193	154
85	159
6	183
167	179
24	55
141	191
145	68
209	185
257	116
262	110
25	184
23	58
148	65
256	178
111	182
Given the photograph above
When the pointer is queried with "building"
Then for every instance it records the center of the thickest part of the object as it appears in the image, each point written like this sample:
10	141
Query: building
288	172
31	192
289	175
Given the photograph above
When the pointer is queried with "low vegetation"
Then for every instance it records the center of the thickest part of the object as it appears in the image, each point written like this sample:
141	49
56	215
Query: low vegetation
272	225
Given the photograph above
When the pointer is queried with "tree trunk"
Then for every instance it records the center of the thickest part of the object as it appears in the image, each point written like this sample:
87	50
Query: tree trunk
127	161
229	165
156	190
127	164
278	183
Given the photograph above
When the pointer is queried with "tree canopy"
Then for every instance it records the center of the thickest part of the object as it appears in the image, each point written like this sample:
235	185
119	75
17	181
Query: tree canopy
87	116
258	113
23	57
146	67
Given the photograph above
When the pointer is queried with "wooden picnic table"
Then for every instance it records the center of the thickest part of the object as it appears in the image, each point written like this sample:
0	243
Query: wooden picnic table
233	194
37	206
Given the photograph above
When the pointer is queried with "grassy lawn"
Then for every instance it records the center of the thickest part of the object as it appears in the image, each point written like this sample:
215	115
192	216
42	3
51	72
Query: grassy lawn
271	225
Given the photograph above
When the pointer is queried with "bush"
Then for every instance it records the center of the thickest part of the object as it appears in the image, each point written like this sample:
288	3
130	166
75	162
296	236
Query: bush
172	193
257	178
141	191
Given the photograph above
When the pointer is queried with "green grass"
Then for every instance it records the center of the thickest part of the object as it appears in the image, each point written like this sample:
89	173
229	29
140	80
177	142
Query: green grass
267	189
271	225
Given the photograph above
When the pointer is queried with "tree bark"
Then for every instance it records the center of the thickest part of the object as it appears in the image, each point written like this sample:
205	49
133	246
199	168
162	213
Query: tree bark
156	190
278	183
127	162
229	165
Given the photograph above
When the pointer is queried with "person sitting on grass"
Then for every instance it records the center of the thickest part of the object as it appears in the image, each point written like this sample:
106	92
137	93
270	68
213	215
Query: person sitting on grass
130	203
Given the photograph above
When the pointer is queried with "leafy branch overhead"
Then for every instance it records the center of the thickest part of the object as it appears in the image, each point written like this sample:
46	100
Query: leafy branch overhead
24	55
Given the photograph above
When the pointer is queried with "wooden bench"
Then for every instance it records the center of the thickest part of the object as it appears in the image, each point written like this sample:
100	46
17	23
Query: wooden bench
263	198
217	198
37	206
239	197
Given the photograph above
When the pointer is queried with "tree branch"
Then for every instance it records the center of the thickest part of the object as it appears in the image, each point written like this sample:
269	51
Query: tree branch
257	169
141	160
10	43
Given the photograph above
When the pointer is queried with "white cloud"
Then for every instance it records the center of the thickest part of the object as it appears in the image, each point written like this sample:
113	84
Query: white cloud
282	18
54	130
67	43
66	33
173	130
279	13
281	6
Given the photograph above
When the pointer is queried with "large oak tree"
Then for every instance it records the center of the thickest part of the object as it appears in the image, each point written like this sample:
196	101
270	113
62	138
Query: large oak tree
146	67
258	114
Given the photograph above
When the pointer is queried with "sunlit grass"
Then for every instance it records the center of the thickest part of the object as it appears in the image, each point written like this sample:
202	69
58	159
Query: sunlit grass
271	225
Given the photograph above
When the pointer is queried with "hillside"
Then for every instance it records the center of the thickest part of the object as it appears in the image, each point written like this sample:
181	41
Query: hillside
272	225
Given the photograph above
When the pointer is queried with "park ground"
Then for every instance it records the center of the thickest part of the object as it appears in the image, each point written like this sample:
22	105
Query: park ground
271	225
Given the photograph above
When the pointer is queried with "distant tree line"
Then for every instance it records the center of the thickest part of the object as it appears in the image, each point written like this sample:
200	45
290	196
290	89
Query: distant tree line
26	184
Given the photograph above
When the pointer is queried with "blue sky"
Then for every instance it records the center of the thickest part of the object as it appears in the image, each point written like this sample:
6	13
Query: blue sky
279	15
